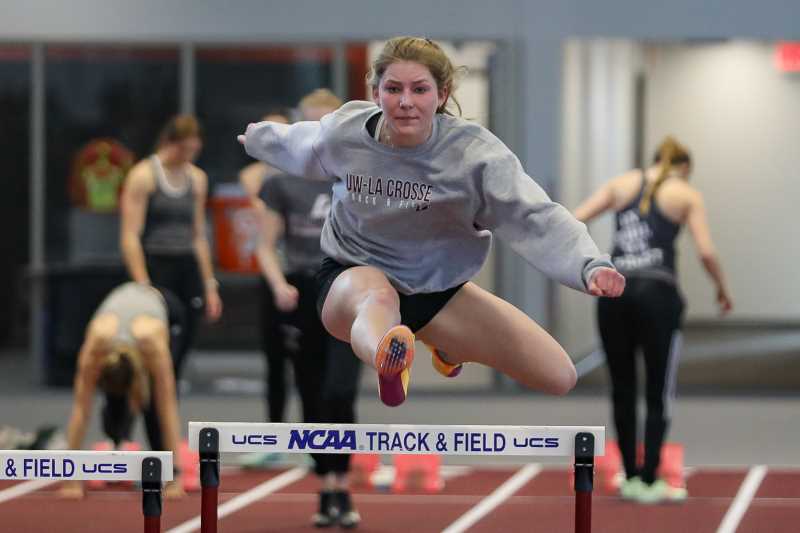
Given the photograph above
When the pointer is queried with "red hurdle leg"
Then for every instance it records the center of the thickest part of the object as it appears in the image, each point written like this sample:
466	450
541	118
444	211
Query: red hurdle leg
151	494
209	479
584	481
152	524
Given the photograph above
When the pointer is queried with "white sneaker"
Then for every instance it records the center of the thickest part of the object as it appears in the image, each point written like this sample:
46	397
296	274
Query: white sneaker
630	489
661	491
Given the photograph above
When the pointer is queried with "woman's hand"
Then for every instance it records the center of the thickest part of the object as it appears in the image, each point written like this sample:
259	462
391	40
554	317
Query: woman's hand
213	304
243	138
286	297
72	490
724	301
606	282
174	489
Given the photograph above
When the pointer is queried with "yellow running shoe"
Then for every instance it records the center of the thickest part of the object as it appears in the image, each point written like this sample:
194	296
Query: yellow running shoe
446	369
392	361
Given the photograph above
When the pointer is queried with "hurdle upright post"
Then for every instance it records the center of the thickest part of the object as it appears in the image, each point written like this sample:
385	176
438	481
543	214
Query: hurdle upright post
584	481
151	494
208	447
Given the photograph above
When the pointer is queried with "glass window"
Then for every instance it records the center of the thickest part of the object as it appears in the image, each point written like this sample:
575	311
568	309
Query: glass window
105	107
236	86
15	78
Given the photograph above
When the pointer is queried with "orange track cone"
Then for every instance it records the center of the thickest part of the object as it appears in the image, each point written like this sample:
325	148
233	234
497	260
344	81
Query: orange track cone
417	473
100	446
190	467
362	466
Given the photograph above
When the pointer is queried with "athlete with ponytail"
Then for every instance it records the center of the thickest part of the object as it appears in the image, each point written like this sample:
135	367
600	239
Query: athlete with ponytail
126	354
651	206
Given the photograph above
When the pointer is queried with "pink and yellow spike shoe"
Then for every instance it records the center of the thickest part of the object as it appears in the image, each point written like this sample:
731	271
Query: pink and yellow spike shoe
392	361
443	367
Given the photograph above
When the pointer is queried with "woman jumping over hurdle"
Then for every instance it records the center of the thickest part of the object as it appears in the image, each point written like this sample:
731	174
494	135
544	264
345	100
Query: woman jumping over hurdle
417	194
126	354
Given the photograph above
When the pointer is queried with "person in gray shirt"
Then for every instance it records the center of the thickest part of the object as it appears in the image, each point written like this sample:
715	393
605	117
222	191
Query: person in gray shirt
127	355
417	195
292	211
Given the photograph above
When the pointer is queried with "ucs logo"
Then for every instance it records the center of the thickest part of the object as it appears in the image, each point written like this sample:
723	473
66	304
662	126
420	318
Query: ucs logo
536	442
105	468
257	440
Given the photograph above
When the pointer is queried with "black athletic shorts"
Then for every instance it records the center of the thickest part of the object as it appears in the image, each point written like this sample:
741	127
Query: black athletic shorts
416	310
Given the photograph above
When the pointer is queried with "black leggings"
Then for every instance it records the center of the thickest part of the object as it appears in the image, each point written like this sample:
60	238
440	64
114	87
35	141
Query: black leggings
273	348
326	370
648	316
118	420
181	276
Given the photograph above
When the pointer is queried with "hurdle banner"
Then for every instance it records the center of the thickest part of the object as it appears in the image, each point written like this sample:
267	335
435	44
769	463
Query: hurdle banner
579	442
148	468
552	441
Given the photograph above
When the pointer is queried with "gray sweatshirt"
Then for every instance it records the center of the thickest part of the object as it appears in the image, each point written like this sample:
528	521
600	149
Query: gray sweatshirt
425	215
129	301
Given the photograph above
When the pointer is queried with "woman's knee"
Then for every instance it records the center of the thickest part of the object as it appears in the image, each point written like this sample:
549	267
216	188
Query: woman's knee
348	294
363	282
563	379
624	394
655	403
380	296
558	380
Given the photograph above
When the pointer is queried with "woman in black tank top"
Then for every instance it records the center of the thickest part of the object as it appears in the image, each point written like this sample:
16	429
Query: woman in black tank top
649	315
163	234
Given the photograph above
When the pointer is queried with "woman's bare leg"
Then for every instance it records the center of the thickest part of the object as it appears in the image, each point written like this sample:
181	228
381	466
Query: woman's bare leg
363	308
360	308
152	339
477	326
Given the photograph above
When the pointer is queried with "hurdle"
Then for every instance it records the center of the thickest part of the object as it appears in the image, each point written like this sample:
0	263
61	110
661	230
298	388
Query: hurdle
148	468
582	443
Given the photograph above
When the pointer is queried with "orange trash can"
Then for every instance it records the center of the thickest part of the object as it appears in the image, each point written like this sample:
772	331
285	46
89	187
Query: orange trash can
235	223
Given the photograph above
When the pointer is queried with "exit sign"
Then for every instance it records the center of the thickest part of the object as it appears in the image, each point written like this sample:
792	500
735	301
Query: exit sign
787	56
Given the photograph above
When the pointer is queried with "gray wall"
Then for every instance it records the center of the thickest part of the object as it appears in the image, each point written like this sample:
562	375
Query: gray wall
536	30
597	143
740	116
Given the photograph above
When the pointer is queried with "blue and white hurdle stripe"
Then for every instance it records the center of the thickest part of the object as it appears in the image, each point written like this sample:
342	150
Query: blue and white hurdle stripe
148	468
582	443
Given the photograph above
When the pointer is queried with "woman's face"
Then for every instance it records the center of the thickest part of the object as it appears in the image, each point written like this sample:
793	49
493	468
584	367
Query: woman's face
684	170
409	98
188	149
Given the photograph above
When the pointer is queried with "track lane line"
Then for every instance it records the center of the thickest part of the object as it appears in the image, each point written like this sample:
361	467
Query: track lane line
24	488
747	490
498	496
246	498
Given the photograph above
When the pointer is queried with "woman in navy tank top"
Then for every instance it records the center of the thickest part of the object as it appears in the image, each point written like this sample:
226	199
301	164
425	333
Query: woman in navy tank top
651	207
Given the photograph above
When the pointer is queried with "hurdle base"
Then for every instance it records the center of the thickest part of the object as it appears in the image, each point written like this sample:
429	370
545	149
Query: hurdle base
151	494
209	479
584	481
152	524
